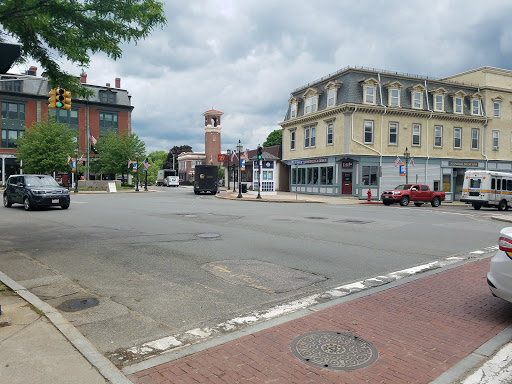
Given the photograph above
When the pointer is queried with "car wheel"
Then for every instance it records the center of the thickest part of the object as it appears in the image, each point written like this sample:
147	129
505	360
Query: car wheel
7	203
404	201
65	206
26	204
477	206
386	203
436	202
502	205
418	204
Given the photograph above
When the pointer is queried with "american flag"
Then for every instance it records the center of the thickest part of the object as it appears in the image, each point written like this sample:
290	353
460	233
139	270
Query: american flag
146	163
412	161
93	139
129	163
246	154
397	161
81	161
69	159
233	156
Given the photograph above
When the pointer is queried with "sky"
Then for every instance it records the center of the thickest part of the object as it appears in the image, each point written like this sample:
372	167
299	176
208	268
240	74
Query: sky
245	57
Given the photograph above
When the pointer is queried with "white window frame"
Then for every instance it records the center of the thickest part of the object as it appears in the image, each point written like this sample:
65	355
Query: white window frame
496	109
417	100
368	127
330	134
438	136
456	107
459	130
371	95
495	140
293	110
416	127
393	125
477	138
311	104
438	99
331	97
394	97
292	140
309	137
475	107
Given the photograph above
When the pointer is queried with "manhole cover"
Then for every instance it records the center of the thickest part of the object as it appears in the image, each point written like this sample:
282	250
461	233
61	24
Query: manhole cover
334	350
208	235
316	218
78	304
354	221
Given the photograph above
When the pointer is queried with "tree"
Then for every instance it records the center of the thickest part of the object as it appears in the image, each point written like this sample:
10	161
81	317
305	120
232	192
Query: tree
175	151
274	138
45	147
49	30
156	159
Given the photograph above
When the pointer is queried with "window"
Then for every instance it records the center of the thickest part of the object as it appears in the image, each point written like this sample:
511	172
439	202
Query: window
12	123
10	137
292	140
394	97
475	132
475	107
438	136
439	103
108	97
393	133
495	140
309	137
293	110
369	94
11	86
326	175
370	175
311	104
368	131
108	123
417	100
330	134
458	105
13	111
457	137
331	94
497	109
69	118
416	134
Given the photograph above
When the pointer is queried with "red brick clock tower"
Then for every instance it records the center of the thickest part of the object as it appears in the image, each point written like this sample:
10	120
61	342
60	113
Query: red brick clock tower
212	136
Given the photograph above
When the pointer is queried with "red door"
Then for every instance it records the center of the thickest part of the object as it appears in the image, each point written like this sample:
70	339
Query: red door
346	183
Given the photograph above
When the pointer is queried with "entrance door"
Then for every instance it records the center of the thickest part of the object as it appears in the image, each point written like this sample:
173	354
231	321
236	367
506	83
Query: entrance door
346	186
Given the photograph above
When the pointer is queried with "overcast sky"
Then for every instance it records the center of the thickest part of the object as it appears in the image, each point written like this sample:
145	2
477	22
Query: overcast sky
245	57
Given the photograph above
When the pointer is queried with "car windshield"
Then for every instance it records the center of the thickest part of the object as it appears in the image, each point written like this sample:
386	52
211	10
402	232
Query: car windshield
403	187
40	181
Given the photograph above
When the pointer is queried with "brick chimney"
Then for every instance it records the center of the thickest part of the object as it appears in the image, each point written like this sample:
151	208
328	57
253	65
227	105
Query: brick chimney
83	77
107	85
33	71
118	82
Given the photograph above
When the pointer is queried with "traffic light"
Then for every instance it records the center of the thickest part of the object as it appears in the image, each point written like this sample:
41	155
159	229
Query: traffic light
60	98
67	100
52	100
260	153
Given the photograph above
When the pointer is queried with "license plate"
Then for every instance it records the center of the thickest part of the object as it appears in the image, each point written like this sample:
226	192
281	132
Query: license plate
55	201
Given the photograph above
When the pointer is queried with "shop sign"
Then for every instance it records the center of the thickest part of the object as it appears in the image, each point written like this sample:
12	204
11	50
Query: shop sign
347	164
463	163
314	161
221	157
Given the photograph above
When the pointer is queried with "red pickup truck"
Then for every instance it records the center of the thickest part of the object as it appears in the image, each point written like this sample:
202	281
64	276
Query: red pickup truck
417	193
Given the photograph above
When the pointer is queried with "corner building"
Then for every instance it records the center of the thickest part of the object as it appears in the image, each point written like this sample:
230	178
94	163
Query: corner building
24	101
358	129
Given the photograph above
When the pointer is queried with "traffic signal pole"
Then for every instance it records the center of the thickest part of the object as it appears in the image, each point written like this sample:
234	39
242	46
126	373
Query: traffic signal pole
260	159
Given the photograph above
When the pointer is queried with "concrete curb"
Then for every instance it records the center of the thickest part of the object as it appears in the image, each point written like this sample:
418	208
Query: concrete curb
104	366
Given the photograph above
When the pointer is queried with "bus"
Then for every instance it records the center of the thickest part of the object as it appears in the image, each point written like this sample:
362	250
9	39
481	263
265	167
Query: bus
487	189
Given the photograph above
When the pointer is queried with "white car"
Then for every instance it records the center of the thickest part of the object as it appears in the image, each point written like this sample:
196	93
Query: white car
499	277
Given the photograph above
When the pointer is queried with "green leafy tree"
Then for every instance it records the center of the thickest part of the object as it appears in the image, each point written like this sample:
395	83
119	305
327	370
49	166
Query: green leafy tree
156	159
45	147
274	138
175	151
49	30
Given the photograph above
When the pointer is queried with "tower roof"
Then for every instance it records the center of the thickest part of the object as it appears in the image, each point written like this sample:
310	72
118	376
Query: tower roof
213	112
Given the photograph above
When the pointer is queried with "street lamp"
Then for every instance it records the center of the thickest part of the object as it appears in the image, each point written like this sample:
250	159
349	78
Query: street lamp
76	170
137	170
406	156
146	180
228	154
239	148
260	160
233	170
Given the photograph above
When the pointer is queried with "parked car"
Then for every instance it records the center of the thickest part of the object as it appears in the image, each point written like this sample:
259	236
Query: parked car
499	277
416	193
35	191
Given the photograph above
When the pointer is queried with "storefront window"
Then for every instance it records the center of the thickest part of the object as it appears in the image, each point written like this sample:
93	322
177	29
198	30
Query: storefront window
326	175
370	174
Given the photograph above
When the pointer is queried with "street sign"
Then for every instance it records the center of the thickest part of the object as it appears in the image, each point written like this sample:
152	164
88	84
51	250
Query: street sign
402	169
295	162
242	164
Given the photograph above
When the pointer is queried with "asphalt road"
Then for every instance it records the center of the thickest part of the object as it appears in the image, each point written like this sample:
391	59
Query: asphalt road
171	263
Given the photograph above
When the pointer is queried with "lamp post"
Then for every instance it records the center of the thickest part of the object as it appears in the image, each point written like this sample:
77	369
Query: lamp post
76	170
406	157
260	160
146	178
137	170
228	154
239	148
233	170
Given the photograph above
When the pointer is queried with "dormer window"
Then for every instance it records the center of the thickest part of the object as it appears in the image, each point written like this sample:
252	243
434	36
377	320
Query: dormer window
476	105
369	91
438	95
417	96
458	102
496	107
294	102
108	97
394	93
332	92
311	100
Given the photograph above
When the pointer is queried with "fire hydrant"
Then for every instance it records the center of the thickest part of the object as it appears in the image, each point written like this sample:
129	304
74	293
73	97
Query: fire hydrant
369	193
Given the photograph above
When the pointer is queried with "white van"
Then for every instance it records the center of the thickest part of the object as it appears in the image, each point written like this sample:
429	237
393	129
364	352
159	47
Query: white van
487	189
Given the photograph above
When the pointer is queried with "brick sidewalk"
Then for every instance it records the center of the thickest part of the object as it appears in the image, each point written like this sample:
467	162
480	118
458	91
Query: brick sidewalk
420	329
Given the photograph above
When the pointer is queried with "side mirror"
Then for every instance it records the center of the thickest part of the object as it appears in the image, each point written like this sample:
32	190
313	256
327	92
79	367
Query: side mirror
414	189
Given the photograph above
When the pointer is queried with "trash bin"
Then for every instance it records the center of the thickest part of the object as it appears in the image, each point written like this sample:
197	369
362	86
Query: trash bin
244	188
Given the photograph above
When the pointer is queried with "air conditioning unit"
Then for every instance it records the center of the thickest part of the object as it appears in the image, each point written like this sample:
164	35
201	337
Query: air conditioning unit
495	148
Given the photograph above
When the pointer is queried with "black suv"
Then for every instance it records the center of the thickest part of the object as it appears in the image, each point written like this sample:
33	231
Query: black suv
35	191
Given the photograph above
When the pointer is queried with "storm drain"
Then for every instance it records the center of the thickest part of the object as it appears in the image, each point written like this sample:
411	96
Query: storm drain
208	235
78	304
334	350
